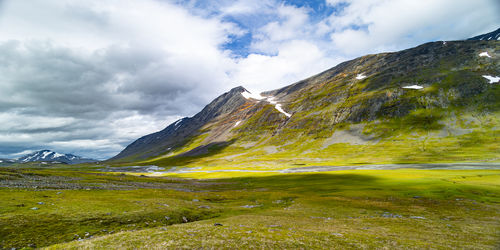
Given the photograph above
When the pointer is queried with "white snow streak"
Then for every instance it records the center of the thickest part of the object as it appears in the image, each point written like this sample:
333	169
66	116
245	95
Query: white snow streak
237	123
360	76
177	122
249	95
484	54
270	99
278	107
413	87
45	154
492	79
57	155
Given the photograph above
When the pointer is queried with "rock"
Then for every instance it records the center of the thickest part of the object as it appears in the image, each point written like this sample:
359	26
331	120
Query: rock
417	197
40	203
207	207
251	206
196	200
34	208
417	217
218	224
184	219
390	215
167	218
338	234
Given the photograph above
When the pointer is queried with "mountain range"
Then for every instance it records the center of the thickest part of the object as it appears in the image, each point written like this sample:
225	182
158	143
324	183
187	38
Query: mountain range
48	156
439	101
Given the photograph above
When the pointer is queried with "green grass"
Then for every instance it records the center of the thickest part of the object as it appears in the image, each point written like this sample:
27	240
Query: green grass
340	209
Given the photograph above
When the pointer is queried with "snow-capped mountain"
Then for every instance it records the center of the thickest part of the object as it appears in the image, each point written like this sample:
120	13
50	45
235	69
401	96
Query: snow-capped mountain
6	161
51	156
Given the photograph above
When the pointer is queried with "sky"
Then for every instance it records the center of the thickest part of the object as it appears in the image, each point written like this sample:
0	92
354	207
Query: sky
89	77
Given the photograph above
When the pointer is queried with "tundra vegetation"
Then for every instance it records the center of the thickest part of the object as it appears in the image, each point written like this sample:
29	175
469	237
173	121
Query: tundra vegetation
80	207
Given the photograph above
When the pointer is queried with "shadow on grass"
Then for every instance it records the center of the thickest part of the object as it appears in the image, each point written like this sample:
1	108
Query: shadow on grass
369	185
195	154
309	183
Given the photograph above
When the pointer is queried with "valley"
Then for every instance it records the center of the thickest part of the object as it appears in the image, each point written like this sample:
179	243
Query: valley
402	208
396	150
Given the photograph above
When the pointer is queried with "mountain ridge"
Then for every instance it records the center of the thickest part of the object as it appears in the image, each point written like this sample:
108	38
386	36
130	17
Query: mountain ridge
494	35
427	84
47	155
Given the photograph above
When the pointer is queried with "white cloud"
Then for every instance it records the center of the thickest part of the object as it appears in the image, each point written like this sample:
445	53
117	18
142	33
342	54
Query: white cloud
367	26
88	77
296	60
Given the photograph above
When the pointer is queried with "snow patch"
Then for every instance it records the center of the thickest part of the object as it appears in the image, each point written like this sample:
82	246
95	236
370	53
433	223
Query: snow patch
57	155
413	87
484	54
278	107
360	76
237	123
249	95
492	79
444	43
271	100
45	154
178	121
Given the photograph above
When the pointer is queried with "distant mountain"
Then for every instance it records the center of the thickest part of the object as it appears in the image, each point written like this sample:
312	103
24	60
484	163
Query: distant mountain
436	102
4	162
51	156
495	35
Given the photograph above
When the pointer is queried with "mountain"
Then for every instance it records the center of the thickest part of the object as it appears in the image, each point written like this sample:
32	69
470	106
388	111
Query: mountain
5	162
435	102
51	156
494	35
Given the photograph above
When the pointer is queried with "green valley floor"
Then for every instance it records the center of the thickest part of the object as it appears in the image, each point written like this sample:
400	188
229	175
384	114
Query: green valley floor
83	208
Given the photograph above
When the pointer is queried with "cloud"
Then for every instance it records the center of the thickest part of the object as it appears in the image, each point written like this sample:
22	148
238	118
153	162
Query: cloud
89	77
296	59
104	71
366	26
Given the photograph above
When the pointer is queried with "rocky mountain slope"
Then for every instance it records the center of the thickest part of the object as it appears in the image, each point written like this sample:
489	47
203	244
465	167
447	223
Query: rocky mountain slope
436	102
51	156
494	35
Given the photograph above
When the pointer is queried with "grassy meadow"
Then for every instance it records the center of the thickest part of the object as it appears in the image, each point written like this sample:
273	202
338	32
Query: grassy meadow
82	208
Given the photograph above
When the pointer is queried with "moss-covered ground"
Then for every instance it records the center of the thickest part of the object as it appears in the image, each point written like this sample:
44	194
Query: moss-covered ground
406	208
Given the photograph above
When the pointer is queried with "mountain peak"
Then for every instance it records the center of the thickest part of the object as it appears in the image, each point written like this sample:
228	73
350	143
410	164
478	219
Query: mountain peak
49	155
238	89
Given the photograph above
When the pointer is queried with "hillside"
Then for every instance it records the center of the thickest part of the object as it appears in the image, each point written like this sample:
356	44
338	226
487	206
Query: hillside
437	102
494	35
